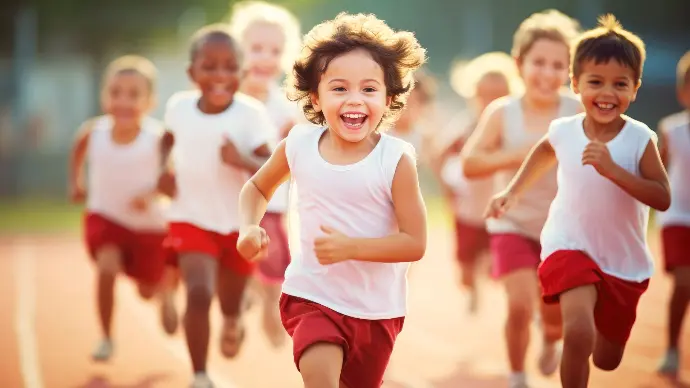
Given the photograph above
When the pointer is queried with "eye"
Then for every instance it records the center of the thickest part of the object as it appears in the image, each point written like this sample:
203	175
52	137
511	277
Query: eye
594	82
622	84
369	90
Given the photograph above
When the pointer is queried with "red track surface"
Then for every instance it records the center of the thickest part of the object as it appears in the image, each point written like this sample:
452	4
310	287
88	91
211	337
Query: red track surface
48	328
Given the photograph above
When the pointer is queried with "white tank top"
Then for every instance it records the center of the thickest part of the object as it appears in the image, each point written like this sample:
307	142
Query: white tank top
118	173
281	111
526	217
677	132
592	214
356	200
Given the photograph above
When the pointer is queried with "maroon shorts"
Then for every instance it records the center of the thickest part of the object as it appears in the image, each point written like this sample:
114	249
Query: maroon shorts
676	242
272	268
183	237
471	241
142	252
511	252
367	344
617	299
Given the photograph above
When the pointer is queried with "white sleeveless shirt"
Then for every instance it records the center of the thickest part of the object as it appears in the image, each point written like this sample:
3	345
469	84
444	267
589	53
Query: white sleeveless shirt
592	214
117	173
677	131
356	200
527	216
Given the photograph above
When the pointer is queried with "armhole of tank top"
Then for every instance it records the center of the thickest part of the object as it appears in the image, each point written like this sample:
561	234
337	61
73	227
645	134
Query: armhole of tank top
391	153
511	117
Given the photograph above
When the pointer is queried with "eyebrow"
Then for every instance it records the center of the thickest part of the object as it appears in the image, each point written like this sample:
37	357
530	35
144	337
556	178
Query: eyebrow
345	81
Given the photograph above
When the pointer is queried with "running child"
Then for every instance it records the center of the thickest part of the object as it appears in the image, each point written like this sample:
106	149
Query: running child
480	82
408	126
270	37
124	224
362	217
212	126
596	261
508	128
675	222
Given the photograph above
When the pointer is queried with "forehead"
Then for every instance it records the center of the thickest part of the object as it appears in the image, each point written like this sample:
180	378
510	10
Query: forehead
354	65
549	48
609	68
213	47
129	78
264	32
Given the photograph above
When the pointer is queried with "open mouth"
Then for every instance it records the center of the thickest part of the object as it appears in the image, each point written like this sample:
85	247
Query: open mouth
353	121
605	107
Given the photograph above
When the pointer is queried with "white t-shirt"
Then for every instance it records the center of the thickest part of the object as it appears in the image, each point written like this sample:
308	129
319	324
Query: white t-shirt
208	189
676	128
117	173
592	214
356	200
282	112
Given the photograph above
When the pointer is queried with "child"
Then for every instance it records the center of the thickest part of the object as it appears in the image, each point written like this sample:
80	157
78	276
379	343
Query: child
270	37
675	223
407	126
508	128
124	223
596	261
362	218
210	127
481	81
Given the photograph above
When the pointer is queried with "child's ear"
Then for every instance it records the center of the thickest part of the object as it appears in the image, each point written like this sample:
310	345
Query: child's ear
190	72
389	101
314	98
637	87
574	84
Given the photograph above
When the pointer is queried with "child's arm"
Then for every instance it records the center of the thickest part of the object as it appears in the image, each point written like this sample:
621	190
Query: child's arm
541	158
408	245
663	148
651	187
254	197
77	161
166	180
482	154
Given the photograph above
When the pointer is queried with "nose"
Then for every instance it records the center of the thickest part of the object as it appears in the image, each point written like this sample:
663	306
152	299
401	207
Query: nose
354	98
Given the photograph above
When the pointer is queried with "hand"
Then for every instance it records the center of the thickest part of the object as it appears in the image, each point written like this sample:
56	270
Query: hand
140	203
167	184
333	247
253	243
230	155
499	204
598	156
77	193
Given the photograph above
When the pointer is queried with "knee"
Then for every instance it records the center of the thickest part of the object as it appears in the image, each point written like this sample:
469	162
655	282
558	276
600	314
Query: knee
579	336
520	312
108	261
607	362
199	297
146	291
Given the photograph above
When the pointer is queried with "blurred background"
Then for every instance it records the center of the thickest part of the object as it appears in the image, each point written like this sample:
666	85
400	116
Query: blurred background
52	53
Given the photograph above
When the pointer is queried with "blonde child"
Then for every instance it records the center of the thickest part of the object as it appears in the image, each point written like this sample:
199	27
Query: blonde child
596	261
675	222
362	218
481	81
219	134
508	128
270	38
124	224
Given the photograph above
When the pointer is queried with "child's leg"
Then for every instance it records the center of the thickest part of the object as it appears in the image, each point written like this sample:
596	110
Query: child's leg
520	286
199	271
552	329
231	286
577	306
166	295
109	264
471	241
320	366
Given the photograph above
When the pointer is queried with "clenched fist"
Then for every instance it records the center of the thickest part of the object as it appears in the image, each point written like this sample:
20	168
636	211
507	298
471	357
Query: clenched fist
598	156
253	242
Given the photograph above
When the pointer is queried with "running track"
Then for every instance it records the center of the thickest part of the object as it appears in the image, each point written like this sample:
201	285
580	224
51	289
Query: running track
48	328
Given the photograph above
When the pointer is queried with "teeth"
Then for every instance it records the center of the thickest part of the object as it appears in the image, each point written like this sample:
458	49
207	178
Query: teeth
354	115
605	106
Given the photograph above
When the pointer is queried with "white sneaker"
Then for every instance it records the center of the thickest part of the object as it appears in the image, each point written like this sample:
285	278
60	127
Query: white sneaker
201	380
550	358
670	363
103	351
517	380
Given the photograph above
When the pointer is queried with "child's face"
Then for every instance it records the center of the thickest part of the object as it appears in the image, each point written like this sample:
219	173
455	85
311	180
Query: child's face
216	72
544	69
352	95
127	97
489	88
263	46
606	89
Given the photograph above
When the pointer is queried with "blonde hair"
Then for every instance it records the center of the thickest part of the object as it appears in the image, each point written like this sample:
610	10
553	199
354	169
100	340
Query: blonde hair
683	70
246	14
549	24
466	75
132	64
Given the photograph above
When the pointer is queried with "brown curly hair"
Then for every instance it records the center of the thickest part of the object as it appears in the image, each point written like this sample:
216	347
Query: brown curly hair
397	52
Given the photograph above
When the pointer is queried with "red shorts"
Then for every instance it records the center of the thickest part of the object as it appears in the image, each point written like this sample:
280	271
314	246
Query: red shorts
676	239
367	344
471	241
617	299
183	237
142	252
511	252
272	268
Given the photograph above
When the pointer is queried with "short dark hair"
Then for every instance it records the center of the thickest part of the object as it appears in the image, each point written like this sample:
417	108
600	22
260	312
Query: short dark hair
217	32
397	52
606	42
